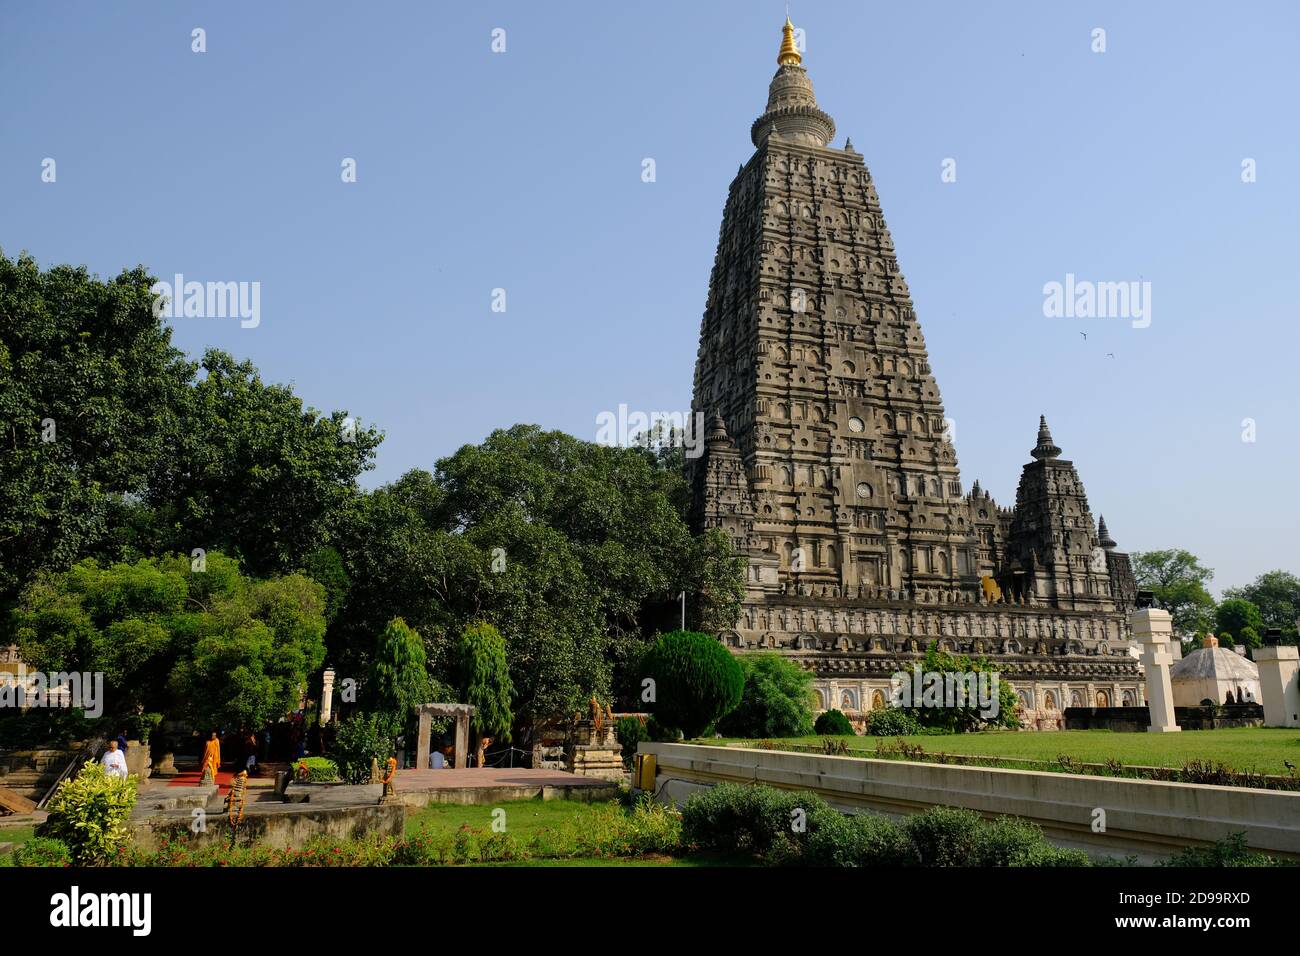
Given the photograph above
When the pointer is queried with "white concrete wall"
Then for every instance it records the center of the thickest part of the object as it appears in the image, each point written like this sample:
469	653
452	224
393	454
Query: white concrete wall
1148	818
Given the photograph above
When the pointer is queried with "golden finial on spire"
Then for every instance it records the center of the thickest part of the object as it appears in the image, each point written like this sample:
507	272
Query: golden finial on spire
789	55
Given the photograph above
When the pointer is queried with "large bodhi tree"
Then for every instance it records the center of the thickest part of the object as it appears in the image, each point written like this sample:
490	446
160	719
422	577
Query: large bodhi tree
116	447
89	388
575	552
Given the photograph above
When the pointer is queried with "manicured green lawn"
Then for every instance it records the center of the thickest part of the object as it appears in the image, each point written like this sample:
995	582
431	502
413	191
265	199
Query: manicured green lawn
524	819
1258	749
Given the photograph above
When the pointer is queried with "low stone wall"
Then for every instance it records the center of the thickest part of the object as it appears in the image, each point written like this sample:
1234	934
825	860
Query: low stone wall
279	826
1137	719
1146	818
469	795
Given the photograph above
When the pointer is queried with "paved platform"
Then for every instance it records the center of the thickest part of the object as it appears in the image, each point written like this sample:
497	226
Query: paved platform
474	785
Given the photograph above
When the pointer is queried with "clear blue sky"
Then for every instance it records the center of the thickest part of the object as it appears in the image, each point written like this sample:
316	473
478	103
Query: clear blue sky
522	170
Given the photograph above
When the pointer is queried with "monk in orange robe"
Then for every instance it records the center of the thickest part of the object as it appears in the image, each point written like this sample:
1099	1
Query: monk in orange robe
211	757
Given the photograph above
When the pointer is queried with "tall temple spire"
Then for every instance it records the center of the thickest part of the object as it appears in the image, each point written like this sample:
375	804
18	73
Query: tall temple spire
792	112
1045	447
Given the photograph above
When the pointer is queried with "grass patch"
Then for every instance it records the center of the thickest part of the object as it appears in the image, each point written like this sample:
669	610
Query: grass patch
524	819
1258	749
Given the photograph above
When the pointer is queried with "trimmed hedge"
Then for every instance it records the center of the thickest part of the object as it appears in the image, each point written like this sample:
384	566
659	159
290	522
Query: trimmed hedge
834	723
696	681
798	828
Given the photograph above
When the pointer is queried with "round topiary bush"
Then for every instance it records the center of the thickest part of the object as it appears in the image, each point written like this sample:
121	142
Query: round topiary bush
696	681
892	722
834	723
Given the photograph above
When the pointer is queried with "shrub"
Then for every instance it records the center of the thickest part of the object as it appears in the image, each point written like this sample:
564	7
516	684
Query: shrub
749	819
318	770
697	680
776	700
43	851
652	828
1230	851
658	732
630	731
834	723
863	840
360	740
89	813
1010	842
946	836
892	722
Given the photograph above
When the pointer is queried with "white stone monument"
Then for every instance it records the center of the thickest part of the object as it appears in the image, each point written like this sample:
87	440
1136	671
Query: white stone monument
327	697
1279	684
1152	628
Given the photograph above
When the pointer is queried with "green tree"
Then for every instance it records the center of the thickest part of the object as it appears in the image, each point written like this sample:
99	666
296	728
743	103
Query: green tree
252	652
1236	617
485	679
211	645
398	681
970	715
90	386
696	681
1179	583
777	700
253	472
1277	595
575	552
360	743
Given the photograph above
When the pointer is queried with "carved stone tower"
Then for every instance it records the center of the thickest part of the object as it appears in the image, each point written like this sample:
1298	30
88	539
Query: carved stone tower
829	460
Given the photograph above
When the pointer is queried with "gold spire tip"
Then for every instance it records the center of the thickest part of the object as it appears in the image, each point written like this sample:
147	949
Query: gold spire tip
789	55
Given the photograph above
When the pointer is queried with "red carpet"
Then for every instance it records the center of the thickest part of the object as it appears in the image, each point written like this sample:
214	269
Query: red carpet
192	778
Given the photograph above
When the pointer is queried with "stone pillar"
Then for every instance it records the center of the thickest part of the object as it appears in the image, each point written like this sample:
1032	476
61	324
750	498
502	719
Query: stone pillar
327	697
1152	628
462	741
422	741
1279	684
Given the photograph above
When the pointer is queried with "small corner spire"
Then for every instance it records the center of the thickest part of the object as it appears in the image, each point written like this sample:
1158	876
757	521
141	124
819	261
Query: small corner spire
1103	535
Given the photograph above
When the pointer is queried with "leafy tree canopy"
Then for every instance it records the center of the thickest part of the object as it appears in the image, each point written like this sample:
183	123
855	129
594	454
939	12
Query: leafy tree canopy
211	645
1179	583
116	447
1277	595
777	700
574	551
89	387
1239	619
